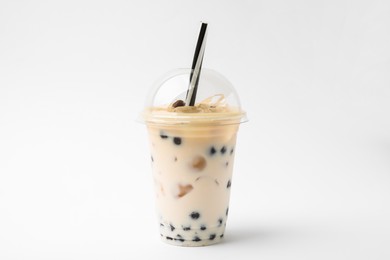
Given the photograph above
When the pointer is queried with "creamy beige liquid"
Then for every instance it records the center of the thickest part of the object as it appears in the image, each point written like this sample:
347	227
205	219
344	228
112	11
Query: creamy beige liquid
192	172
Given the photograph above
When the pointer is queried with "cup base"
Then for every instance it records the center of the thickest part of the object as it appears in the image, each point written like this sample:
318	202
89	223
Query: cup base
190	243
191	237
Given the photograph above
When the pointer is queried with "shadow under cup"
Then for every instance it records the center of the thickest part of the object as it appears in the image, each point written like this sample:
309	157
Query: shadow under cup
192	171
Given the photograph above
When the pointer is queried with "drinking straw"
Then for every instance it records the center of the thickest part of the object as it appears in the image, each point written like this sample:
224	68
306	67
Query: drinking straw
196	66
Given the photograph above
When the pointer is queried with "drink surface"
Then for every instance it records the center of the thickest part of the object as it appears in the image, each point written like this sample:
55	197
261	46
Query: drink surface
211	111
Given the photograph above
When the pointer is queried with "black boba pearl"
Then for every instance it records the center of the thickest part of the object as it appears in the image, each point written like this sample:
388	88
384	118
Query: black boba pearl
212	150
231	151
203	227
163	136
194	215
169	238
227	211
221	236
178	103
161	224
187	228
196	239
223	150
220	220
172	227
229	184
212	236
179	238
177	140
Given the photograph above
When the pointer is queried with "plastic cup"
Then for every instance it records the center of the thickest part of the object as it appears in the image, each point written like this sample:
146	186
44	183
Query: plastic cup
192	157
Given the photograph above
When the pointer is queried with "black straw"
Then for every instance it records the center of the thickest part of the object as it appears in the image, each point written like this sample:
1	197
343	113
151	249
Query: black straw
198	48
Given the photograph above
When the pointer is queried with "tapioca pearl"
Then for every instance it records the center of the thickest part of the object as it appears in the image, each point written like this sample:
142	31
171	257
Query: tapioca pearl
212	236
220	220
186	228
227	164
212	151
231	151
196	239
179	238
169	238
223	150
161	225
229	184
227	211
163	135
172	227
177	140
178	103
195	215
198	163
221	236
203	227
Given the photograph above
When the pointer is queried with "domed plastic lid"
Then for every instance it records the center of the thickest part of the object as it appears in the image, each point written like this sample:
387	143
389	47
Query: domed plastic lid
216	100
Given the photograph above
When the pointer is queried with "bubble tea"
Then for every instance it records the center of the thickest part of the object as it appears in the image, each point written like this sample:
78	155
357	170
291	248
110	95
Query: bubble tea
192	155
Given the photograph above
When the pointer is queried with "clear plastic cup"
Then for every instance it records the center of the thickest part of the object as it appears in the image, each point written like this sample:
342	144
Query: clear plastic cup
192	155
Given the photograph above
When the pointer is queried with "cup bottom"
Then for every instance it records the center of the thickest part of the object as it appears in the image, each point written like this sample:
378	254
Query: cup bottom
189	243
192	237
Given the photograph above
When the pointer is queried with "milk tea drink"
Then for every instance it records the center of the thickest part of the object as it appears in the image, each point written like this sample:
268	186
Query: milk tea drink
192	172
192	157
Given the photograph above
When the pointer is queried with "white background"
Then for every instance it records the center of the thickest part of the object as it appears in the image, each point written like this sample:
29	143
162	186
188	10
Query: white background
312	171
